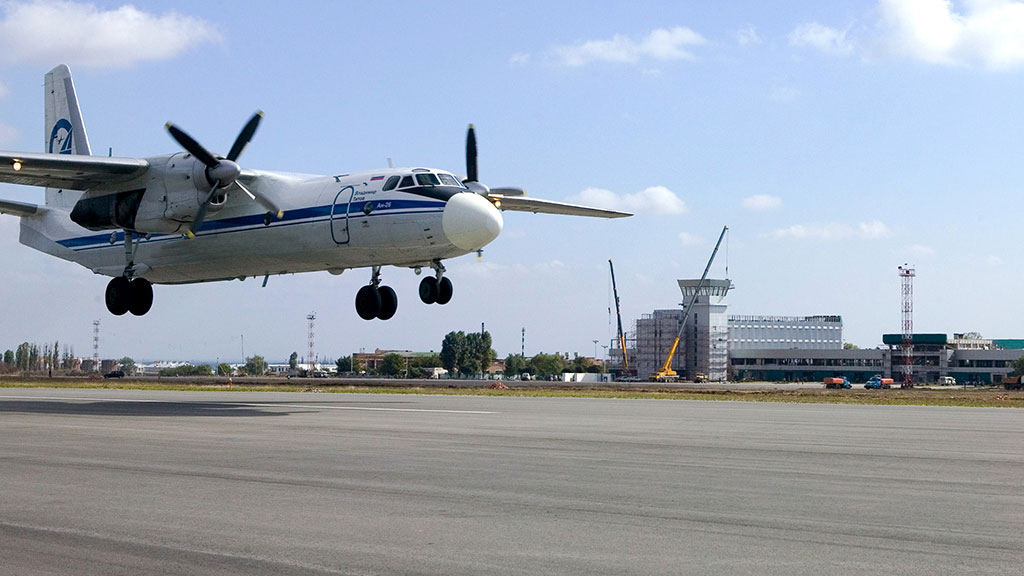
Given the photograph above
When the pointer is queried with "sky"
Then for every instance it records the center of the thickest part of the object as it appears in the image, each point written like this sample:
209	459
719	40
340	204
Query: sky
837	140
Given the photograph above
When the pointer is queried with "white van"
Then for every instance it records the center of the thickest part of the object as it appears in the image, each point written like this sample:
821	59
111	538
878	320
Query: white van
947	381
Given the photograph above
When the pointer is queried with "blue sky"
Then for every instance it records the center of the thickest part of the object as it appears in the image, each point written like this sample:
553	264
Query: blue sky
837	140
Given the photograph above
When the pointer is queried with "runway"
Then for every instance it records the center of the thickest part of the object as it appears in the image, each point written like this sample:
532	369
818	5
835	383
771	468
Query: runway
127	482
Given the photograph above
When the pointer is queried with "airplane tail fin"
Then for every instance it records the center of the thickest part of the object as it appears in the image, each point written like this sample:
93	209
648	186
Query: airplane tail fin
64	130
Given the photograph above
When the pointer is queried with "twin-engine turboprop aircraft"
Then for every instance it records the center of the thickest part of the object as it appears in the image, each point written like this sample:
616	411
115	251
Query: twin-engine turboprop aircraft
195	216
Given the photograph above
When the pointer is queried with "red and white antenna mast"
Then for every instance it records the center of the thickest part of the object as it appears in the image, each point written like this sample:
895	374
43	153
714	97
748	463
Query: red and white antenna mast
907	276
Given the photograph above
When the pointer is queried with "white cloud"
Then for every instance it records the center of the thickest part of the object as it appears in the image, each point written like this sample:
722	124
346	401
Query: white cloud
761	202
821	37
747	35
989	32
834	231
920	251
994	260
519	59
690	239
782	93
660	45
655	200
872	230
48	31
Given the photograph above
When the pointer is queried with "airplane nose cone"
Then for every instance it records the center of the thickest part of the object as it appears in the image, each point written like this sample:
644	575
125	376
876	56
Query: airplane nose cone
470	221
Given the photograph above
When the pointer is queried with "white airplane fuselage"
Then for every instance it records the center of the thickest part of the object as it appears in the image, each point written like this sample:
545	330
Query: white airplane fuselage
329	223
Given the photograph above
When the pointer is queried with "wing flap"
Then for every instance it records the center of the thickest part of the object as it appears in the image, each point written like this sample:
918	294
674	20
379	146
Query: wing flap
68	171
538	206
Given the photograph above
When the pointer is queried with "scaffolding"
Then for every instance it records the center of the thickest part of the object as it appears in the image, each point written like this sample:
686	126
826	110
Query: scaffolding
907	277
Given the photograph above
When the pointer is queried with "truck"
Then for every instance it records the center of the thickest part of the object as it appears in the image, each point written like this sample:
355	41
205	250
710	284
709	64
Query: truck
837	382
1012	383
877	382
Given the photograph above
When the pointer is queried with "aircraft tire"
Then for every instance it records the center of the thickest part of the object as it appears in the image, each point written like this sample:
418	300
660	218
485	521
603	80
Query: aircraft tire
444	291
368	302
429	290
388	303
118	295
140	292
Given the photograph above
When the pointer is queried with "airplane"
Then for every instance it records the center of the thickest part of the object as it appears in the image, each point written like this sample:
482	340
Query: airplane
195	216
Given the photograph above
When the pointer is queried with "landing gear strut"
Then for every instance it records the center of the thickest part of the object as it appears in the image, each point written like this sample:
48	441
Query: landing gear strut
376	301
436	289
126	293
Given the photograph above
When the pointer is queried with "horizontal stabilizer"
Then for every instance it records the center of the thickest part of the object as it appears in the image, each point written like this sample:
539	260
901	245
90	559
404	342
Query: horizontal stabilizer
68	171
19	208
538	206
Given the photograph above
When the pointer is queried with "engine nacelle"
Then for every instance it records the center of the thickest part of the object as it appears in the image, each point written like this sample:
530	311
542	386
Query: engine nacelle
165	201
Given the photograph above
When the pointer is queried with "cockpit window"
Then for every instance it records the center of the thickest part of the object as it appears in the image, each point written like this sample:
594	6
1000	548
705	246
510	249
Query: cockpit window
406	182
427	179
449	180
391	183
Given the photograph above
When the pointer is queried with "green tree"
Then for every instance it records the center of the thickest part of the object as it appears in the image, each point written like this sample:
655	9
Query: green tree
394	364
128	366
515	364
187	370
293	361
224	369
1018	367
545	365
9	358
255	366
581	364
344	364
21	357
849	346
453	350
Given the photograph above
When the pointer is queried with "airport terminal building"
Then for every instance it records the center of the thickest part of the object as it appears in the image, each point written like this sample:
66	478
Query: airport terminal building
796	348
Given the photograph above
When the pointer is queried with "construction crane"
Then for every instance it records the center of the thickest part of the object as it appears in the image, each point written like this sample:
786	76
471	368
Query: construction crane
618	315
667	373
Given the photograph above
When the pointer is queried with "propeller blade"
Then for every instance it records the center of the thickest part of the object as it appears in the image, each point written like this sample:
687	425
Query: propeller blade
201	213
193	147
263	200
471	173
245	136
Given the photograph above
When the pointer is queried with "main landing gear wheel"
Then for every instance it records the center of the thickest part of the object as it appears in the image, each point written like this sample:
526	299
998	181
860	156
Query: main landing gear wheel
434	291
376	302
129	295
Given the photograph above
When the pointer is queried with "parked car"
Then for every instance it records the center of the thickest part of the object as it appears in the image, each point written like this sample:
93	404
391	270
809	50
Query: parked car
114	374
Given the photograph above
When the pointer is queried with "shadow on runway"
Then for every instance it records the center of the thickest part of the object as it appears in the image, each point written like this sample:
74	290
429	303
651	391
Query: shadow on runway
106	408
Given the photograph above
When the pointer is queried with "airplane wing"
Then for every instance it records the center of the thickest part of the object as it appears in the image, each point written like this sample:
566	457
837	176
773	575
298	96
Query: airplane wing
19	208
68	171
536	205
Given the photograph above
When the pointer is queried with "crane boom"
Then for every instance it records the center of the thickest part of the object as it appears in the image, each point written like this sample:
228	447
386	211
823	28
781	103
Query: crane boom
666	372
618	315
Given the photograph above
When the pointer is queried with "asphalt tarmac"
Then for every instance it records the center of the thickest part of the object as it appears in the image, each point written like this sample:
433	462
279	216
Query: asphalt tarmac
128	482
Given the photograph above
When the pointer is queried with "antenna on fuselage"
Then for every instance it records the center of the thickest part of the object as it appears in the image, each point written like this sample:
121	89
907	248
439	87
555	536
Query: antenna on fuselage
390	163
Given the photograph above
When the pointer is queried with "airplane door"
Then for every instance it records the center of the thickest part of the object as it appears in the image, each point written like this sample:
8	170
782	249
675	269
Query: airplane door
339	214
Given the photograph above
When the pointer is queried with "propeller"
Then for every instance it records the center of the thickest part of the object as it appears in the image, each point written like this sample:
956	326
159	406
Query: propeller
221	172
472	175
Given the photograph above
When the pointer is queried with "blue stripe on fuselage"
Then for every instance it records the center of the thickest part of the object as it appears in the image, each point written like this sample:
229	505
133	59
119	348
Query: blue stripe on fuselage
390	207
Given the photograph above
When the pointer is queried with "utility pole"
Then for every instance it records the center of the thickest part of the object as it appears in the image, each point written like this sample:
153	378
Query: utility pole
96	345
312	357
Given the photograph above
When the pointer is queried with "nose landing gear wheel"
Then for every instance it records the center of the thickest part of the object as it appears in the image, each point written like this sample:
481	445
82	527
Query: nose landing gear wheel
444	291
429	290
118	295
388	303
368	302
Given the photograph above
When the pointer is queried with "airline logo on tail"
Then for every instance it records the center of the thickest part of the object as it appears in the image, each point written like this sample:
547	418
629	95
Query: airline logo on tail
61	137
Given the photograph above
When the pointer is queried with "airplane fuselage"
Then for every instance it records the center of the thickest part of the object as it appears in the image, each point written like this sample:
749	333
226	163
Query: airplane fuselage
328	223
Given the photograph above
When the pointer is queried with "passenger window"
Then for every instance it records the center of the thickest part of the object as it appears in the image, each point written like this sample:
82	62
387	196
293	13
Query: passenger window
391	183
427	179
449	180
406	182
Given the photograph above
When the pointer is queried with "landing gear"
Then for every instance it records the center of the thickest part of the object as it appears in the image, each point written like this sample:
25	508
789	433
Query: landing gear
376	301
127	293
436	289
